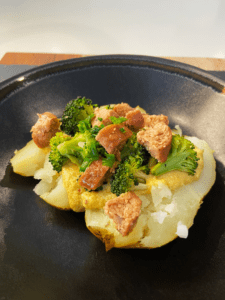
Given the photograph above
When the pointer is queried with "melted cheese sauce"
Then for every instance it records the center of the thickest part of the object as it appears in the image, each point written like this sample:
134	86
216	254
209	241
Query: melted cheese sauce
79	198
176	179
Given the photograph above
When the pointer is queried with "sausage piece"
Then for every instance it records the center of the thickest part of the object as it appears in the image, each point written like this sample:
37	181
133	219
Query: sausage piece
135	120
124	210
102	116
157	140
122	108
113	138
151	120
94	176
44	129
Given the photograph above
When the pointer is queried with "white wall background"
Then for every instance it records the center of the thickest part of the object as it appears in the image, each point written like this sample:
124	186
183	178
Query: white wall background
158	28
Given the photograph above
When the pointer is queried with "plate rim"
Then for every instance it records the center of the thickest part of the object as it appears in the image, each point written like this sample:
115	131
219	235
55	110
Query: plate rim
155	287
24	78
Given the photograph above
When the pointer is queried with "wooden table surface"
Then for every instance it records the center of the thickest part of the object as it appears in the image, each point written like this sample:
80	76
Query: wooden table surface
37	59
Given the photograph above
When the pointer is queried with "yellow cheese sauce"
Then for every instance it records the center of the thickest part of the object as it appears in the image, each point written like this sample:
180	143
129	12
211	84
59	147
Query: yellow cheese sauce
70	175
176	179
80	199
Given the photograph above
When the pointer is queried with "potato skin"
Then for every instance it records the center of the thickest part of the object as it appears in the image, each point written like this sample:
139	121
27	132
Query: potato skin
104	236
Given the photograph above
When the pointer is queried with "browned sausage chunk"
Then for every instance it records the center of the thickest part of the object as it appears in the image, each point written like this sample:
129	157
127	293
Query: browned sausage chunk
151	120
122	108
102	116
157	140
45	128
124	210
94	175
135	120
113	138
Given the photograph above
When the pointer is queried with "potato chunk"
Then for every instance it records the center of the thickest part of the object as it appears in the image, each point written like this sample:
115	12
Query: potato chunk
29	159
54	193
51	188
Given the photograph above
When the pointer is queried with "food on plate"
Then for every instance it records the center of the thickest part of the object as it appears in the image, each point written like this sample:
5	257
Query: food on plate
124	211
45	128
29	159
157	140
139	182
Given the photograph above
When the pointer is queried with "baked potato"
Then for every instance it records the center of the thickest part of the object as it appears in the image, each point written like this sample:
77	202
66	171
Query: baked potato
33	161
165	214
169	202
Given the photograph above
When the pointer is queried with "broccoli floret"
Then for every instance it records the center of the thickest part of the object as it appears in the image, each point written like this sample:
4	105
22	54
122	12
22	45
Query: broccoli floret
85	125
75	111
81	149
108	160
55	157
134	149
95	130
182	157
129	173
133	167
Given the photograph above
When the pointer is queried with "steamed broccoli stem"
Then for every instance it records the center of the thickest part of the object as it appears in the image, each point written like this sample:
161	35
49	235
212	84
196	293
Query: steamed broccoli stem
55	157
75	111
142	175
71	147
71	151
182	157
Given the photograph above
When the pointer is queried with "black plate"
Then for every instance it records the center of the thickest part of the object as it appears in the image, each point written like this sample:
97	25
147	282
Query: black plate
49	254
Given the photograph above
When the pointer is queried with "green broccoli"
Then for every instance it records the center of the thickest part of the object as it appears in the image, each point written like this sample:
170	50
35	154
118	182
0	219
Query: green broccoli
130	172
81	149
182	157
95	130
133	148
55	157
75	111
108	160
85	125
118	120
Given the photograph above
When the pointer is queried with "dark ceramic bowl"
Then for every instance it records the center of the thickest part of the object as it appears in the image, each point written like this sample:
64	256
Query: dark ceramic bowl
49	254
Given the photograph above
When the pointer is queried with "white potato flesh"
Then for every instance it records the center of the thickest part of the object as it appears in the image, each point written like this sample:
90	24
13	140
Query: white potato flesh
158	223
56	196
51	188
44	187
46	173
34	161
103	228
29	159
